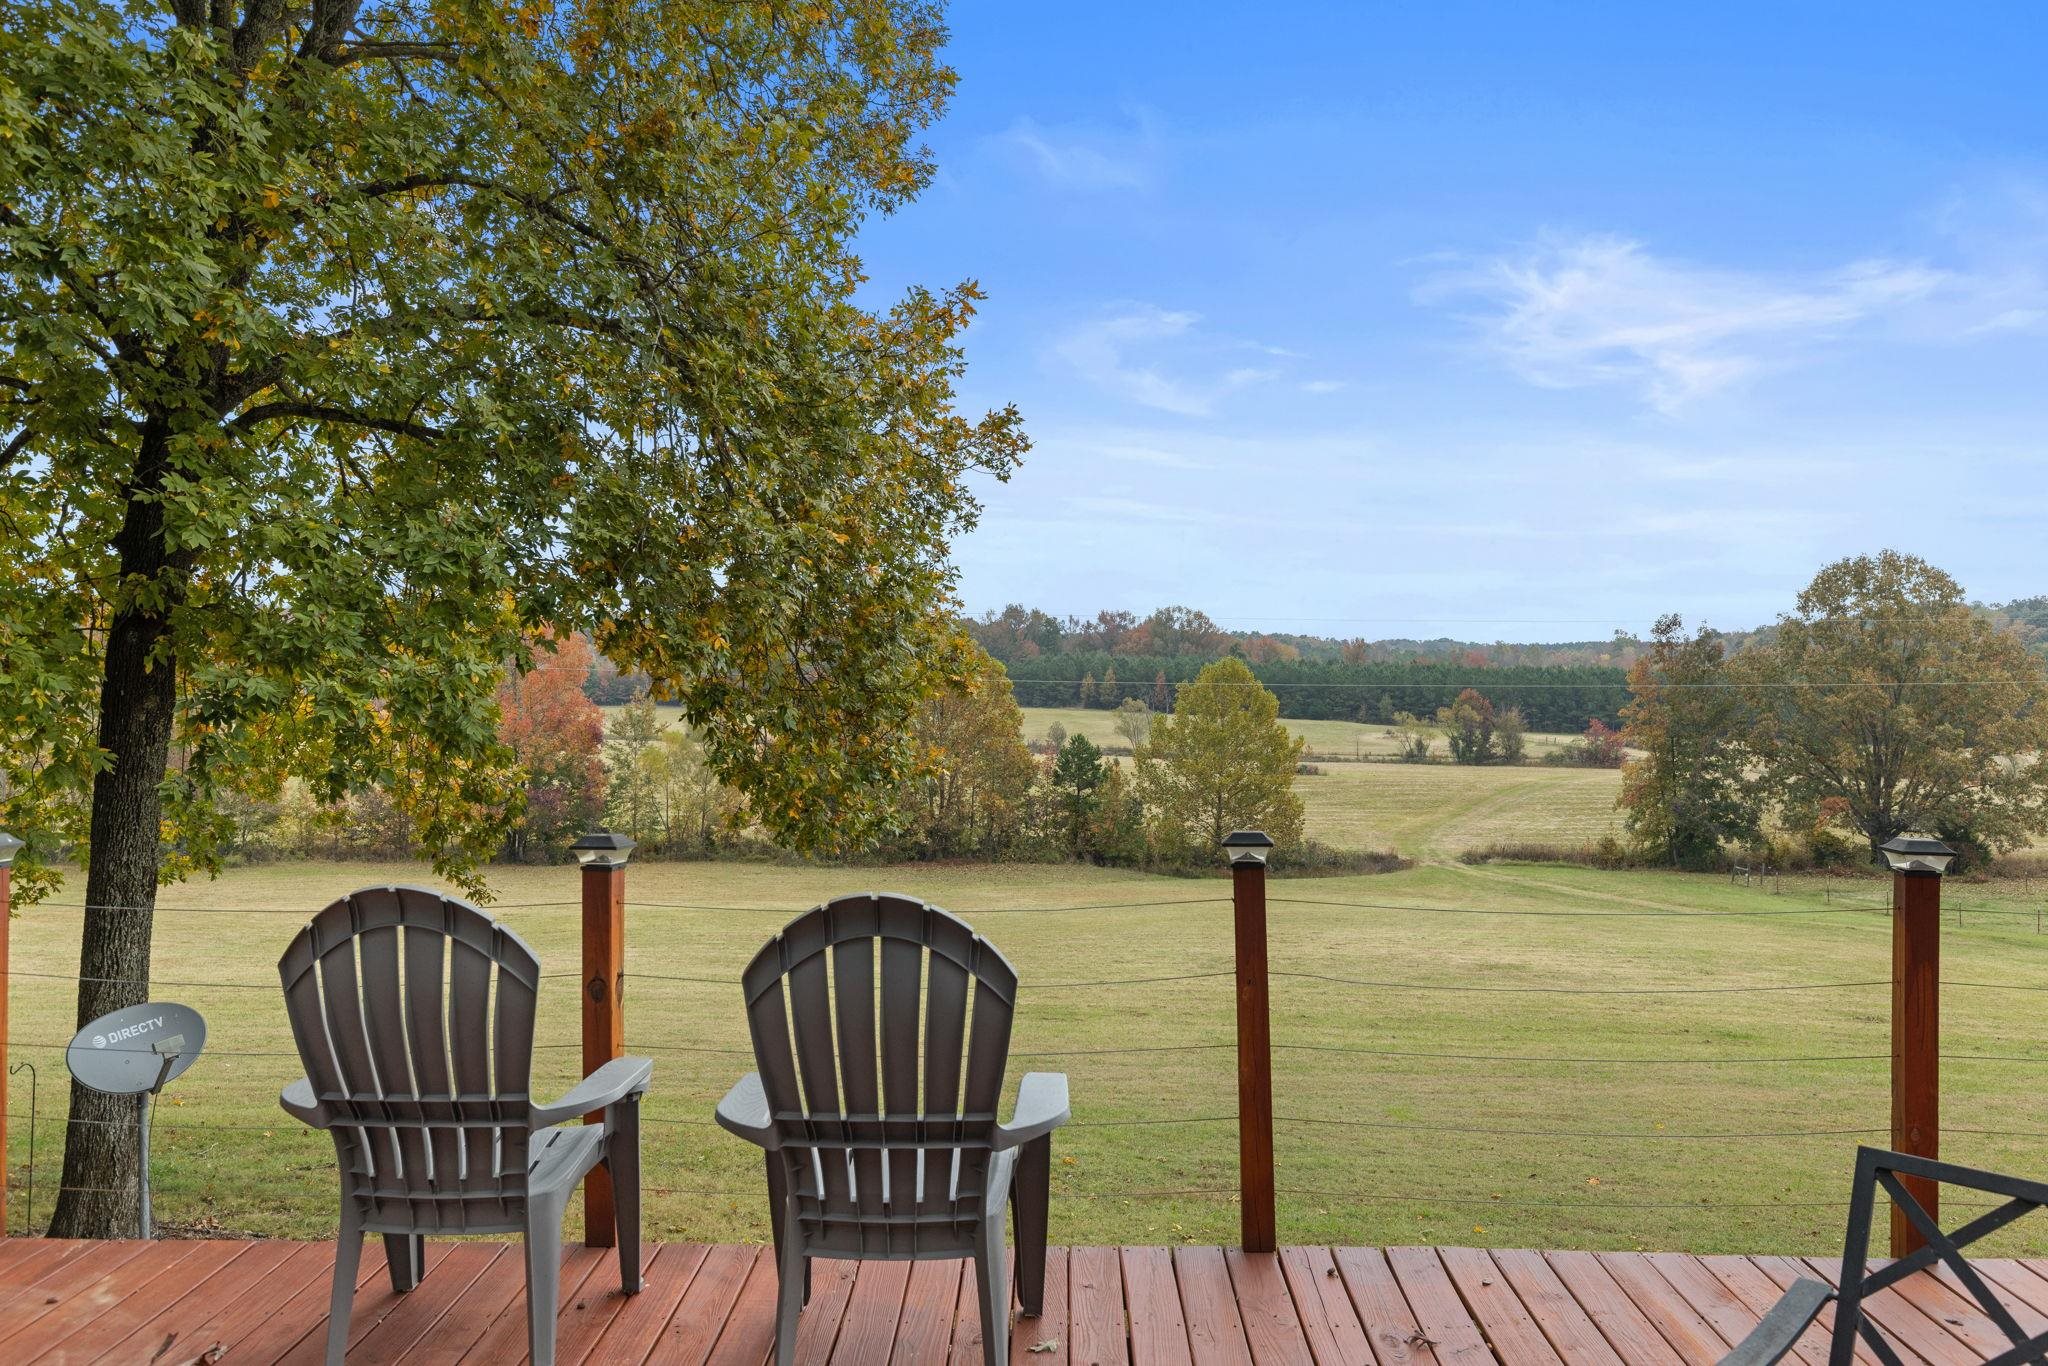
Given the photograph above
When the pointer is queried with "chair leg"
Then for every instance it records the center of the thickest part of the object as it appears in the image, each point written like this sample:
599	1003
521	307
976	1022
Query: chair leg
1031	1192
622	1160
406	1255
778	1196
792	1287
348	1258
543	1278
992	1279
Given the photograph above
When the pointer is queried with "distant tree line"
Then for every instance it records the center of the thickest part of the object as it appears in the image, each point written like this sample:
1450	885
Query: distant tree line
1548	698
1019	633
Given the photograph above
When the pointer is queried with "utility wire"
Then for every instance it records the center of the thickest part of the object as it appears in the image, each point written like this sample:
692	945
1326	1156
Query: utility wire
1578	991
985	910
1585	914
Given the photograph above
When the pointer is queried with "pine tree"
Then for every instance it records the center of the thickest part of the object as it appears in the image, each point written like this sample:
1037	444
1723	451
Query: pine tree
1076	777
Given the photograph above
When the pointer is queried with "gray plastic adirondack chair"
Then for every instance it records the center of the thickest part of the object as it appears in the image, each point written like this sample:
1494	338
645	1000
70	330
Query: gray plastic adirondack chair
413	1014
868	1155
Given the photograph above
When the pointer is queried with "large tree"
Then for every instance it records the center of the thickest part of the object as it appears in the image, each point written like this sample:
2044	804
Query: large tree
974	774
1220	762
345	345
1687	789
1885	690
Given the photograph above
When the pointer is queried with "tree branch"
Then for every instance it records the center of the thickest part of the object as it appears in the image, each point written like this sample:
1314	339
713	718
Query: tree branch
321	412
367	52
16	446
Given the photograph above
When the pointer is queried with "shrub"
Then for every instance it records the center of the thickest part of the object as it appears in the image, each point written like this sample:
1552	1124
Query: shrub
1608	852
1316	859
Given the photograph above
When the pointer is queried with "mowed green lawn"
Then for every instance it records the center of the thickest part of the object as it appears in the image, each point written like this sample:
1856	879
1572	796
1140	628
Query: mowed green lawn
1439	1078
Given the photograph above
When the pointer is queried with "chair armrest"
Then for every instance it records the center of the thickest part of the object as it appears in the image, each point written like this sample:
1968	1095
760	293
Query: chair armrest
745	1112
608	1085
1772	1338
1041	1108
301	1104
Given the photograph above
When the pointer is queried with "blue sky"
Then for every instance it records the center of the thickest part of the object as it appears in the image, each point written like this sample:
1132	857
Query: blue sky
1526	321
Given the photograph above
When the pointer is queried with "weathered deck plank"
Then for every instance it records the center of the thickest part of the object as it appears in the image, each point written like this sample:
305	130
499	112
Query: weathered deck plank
714	1306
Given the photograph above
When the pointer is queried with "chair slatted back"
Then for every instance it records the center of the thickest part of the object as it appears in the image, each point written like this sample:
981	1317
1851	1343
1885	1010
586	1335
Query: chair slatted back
881	1028
413	1013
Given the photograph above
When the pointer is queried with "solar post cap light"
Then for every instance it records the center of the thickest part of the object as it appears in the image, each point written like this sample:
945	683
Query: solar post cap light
1248	846
133	1052
603	850
1913	855
9	847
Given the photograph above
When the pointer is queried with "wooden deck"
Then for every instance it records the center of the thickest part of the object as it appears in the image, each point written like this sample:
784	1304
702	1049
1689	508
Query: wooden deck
201	1301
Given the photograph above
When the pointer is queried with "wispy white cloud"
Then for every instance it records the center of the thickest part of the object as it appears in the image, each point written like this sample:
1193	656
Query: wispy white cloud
1126	352
1085	157
1605	310
1323	386
1098	351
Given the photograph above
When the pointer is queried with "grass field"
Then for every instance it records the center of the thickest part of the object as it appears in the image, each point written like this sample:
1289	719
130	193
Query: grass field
1424	811
1328	739
1449	1088
1437	811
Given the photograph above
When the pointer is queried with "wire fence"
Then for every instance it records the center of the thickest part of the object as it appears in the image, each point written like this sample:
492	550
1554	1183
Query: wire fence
1358	1095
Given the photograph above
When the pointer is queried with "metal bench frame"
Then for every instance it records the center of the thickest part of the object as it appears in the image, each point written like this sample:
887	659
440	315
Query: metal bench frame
1877	1168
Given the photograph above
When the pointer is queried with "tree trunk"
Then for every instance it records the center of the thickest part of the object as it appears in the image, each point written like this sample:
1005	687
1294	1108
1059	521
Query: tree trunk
138	693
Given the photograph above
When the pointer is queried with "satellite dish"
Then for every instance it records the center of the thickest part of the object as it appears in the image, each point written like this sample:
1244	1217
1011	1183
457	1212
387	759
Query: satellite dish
133	1052
138	1049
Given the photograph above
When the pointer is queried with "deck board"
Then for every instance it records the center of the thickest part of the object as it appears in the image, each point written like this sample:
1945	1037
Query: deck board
266	1302
1328	1320
1390	1325
1043	1341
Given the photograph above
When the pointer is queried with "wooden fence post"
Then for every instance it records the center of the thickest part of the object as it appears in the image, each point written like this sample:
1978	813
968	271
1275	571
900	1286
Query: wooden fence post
603	856
9	847
1916	1037
1247	849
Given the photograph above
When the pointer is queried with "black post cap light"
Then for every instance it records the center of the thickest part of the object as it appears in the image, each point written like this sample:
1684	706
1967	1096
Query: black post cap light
1921	857
603	849
1247	846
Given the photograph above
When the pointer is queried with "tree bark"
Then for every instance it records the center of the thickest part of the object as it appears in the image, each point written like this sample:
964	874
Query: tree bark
138	695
